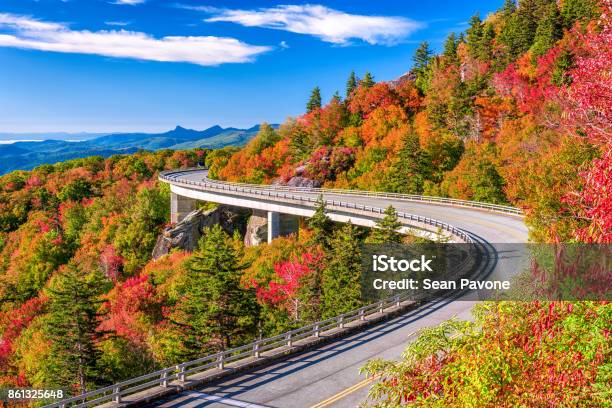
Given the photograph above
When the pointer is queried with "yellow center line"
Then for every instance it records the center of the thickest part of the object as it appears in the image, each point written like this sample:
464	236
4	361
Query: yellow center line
344	393
359	385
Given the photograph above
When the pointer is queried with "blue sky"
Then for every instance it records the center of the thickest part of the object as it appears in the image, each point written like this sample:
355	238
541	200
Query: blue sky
134	65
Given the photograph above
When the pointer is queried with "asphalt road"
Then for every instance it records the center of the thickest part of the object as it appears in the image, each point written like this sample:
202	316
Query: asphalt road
329	375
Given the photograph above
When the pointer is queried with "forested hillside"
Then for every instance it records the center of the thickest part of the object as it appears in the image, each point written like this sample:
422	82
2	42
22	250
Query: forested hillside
516	110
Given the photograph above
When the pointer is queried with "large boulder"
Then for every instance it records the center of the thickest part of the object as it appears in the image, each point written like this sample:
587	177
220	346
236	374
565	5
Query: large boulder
256	229
299	181
186	234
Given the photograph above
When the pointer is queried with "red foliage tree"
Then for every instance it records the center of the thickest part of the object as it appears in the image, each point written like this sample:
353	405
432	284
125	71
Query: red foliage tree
594	202
128	307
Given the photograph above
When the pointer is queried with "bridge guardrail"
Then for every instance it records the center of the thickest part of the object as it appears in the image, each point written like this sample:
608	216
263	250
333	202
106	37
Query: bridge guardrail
182	371
504	209
257	190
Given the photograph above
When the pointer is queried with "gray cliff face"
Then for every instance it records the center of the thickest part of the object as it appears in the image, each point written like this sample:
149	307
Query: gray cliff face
257	229
185	234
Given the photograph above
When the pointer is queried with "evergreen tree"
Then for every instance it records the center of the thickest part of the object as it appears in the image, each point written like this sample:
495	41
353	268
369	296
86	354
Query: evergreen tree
301	144
519	31
548	32
386	231
450	48
409	171
214	312
74	301
485	48
351	84
314	102
563	63
367	81
336	97
578	10
342	274
320	224
421	60
508	8
474	35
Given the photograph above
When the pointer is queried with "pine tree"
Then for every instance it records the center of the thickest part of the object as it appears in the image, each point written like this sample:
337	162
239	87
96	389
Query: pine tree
421	60
336	97
74	301
548	32
386	231
485	48
450	48
367	81
474	35
351	84
578	10
409	171
214	312
320	224
342	274
314	102
508	8
519	31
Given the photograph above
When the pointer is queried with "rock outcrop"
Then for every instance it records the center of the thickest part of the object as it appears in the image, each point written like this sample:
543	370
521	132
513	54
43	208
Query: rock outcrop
256	229
185	234
299	180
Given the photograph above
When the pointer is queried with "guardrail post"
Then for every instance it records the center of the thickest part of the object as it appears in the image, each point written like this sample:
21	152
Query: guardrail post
361	314
289	342
341	322
397	301
316	330
181	372
117	395
164	378
221	361
256	349
380	307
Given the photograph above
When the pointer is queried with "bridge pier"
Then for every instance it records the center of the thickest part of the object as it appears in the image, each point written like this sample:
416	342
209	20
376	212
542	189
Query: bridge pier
273	225
180	206
281	225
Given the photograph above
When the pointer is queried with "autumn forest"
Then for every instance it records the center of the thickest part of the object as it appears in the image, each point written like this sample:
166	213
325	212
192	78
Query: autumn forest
515	111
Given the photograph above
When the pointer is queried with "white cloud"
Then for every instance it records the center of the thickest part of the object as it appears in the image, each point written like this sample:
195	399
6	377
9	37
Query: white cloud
130	2
117	23
323	22
25	32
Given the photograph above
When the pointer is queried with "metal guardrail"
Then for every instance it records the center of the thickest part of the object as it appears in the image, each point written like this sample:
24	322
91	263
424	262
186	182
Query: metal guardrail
504	209
181	372
172	177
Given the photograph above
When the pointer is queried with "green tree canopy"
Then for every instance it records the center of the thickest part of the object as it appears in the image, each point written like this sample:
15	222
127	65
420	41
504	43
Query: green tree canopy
351	84
386	231
321	225
314	102
214	312
367	81
342	274
421	61
548	32
71	327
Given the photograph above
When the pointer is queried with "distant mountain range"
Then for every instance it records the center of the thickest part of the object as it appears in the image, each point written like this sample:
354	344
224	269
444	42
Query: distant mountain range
25	155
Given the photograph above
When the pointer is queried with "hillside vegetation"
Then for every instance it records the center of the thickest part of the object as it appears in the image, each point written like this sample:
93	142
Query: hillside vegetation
515	110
